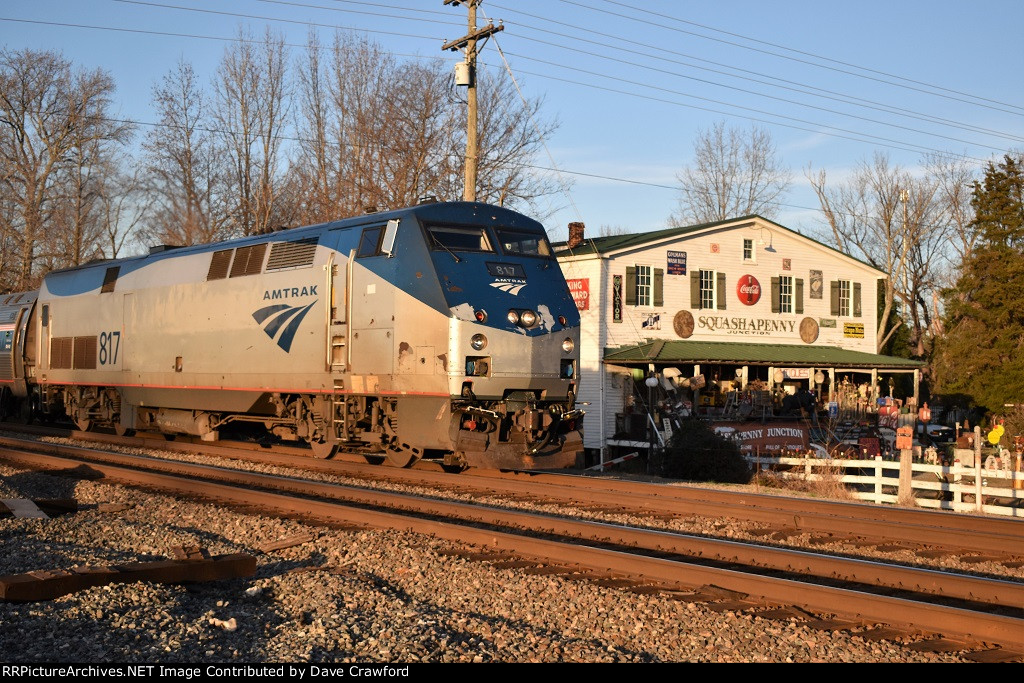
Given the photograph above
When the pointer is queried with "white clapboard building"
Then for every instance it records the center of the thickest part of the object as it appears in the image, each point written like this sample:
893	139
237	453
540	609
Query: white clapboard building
712	309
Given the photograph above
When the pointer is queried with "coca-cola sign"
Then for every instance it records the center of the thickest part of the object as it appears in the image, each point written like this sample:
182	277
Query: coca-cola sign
748	289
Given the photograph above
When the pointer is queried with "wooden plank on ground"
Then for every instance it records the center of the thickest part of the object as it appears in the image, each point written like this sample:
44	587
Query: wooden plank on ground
286	542
50	584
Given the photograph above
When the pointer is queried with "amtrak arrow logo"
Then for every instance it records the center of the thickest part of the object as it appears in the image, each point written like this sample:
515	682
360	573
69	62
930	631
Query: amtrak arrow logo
283	319
509	287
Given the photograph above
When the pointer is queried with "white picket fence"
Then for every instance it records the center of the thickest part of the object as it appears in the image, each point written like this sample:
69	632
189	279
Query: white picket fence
996	491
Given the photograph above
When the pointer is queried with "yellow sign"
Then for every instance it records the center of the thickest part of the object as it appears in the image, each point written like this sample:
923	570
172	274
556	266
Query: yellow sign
853	330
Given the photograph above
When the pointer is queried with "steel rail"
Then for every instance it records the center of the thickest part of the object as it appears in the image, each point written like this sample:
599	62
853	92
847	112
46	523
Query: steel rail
971	589
927	528
858	510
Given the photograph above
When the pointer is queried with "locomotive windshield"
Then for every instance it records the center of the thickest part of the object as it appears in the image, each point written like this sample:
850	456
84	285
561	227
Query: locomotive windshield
523	243
460	238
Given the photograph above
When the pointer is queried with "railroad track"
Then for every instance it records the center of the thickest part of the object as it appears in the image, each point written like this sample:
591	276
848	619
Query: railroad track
931	534
974	611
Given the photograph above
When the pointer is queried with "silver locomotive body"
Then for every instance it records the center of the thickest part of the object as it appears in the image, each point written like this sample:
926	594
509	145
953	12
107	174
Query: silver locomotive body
443	331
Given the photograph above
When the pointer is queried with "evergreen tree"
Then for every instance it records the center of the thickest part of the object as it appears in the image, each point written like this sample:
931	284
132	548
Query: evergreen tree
981	354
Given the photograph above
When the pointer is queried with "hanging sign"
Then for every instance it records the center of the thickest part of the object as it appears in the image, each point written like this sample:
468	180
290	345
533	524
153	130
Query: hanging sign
617	298
580	291
755	437
677	263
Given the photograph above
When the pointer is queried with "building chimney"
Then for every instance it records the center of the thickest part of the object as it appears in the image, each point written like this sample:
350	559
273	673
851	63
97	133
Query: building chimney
575	235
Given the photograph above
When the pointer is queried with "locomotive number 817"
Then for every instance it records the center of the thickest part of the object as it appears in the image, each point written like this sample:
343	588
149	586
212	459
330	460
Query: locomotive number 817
443	331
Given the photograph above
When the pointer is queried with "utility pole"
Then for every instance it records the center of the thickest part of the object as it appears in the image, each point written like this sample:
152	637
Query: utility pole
465	75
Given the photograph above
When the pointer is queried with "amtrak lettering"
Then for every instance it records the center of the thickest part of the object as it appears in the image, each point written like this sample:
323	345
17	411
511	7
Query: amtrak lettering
746	326
289	292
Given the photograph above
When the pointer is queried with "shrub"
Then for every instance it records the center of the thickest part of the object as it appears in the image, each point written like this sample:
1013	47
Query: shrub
697	453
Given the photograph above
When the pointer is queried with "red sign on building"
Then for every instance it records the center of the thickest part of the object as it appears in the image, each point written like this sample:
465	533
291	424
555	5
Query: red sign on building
580	290
748	289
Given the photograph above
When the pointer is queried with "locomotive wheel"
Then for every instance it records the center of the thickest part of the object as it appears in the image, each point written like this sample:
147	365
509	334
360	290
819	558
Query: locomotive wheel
323	449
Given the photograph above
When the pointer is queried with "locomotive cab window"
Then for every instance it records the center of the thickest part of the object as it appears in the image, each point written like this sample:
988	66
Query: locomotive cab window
446	237
523	243
369	242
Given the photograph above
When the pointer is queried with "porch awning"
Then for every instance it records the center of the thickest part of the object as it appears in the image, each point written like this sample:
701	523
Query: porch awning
668	352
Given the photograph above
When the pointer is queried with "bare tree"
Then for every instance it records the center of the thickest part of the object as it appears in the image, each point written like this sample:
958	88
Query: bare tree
75	234
892	220
511	133
310	179
53	126
734	173
181	171
122	204
954	178
251	106
378	132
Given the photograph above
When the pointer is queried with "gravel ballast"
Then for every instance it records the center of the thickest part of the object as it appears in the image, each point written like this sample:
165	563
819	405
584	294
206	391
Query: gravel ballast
367	596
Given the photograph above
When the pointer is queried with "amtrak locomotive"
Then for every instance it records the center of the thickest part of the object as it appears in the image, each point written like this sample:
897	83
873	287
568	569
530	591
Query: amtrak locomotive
443	331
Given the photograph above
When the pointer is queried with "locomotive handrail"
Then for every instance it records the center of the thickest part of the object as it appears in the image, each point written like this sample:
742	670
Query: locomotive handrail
329	300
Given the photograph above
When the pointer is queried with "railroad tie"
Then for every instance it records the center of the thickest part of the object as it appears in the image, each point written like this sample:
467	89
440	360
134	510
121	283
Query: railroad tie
48	584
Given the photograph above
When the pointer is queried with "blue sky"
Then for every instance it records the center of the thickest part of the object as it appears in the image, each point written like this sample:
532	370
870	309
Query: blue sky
631	100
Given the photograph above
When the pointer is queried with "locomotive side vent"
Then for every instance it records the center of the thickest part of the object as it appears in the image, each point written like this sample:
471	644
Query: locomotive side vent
60	353
219	265
248	260
295	254
85	353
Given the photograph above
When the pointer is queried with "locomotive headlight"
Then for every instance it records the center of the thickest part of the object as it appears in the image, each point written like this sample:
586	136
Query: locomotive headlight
527	318
478	342
513	317
567	345
480	315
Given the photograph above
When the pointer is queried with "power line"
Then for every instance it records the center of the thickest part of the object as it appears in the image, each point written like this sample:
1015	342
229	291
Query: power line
285	2
831	96
172	34
554	169
850	135
263	18
842	134
804	61
758	94
811	54
857	133
887	142
772	81
537	167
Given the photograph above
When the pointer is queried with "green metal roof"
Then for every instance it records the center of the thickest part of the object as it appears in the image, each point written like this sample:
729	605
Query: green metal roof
680	351
605	245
